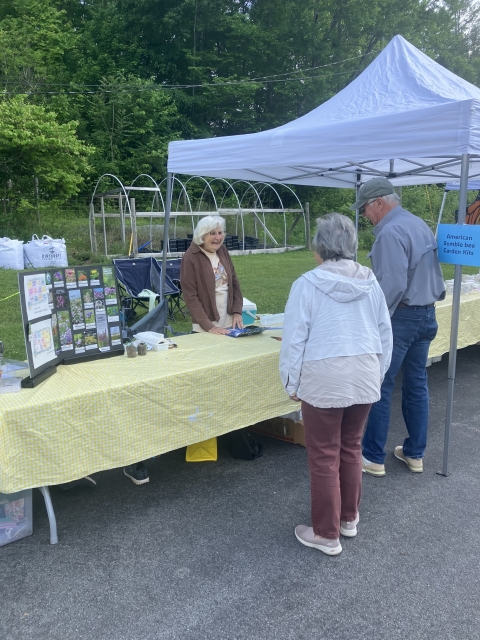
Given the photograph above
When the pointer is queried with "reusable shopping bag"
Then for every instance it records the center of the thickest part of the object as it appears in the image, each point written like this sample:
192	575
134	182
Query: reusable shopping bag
11	254
45	253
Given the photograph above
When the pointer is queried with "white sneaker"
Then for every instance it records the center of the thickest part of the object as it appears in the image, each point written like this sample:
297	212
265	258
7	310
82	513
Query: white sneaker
306	536
349	529
372	468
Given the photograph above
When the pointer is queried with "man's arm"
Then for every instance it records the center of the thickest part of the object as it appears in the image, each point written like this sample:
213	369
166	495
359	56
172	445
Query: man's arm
390	266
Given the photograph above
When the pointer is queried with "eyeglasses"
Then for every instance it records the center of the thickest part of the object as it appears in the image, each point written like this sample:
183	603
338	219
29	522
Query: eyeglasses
363	207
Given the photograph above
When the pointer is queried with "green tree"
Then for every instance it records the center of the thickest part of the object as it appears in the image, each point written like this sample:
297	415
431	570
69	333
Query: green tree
130	123
34	143
35	43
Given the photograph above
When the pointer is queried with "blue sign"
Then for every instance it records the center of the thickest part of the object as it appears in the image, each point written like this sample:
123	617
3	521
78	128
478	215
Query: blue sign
459	244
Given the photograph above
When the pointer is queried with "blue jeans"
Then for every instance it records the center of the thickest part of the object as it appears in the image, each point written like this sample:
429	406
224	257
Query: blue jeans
413	330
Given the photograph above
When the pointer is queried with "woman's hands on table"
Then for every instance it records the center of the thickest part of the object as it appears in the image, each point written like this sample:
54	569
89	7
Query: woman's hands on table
237	321
219	331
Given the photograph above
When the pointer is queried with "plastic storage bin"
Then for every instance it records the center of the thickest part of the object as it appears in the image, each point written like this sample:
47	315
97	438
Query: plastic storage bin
15	516
271	319
249	312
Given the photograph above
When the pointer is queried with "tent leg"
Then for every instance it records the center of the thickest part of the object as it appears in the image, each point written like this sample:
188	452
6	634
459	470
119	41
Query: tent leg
51	515
441	212
457	284
166	224
357	191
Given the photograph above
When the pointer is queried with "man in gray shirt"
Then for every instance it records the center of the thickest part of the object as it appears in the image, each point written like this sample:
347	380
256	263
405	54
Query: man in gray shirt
405	262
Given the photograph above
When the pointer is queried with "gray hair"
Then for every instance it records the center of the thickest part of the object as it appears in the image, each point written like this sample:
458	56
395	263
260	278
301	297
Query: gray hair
205	225
336	237
391	198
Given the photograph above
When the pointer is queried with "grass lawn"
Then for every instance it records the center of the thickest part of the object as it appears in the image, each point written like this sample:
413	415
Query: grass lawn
265	279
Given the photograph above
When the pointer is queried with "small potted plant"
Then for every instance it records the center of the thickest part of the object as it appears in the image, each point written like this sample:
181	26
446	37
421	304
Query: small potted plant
142	349
131	349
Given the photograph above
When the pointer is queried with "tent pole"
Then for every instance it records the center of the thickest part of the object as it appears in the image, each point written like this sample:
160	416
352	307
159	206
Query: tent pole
166	224
441	212
357	191
457	284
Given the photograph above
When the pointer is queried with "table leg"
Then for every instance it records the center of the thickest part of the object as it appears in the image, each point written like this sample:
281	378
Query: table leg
51	514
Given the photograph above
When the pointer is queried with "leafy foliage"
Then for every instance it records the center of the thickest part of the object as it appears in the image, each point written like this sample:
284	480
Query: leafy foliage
97	86
34	143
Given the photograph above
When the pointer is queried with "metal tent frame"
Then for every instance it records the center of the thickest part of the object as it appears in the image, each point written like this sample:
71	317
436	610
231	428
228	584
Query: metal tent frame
247	200
473	185
404	172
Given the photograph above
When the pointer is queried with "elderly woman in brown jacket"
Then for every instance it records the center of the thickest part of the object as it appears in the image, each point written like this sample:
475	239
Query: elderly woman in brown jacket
209	283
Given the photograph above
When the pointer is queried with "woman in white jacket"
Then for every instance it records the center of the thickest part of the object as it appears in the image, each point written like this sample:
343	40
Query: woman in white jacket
336	348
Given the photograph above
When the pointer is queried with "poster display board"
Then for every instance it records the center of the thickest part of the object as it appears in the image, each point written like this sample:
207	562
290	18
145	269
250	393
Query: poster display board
69	315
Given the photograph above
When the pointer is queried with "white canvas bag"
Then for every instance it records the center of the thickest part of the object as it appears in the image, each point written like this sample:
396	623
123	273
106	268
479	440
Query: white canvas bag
46	252
11	254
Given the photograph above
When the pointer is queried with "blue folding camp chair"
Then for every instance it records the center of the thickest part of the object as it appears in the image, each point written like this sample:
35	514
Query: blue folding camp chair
176	302
136	277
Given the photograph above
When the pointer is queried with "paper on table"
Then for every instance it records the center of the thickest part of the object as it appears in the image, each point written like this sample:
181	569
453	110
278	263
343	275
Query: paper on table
10	385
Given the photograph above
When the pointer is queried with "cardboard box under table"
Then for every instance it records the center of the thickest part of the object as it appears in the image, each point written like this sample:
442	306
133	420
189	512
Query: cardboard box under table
282	428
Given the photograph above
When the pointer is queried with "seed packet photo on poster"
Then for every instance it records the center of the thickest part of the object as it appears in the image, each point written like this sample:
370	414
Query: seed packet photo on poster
110	295
79	342
56	335
89	318
58	279
94	277
112	313
76	309
82	277
71	278
36	296
102	331
99	298
115	335
65	329
87	297
90	339
61	299
41	342
48	278
108	277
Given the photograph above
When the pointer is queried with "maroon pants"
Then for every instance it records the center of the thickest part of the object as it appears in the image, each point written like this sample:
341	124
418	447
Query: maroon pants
333	438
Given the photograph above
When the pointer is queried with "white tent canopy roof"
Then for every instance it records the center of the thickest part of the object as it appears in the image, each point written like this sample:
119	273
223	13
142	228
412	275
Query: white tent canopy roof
405	117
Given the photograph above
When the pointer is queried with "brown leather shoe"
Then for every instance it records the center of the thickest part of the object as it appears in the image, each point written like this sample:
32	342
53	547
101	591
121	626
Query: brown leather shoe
414	464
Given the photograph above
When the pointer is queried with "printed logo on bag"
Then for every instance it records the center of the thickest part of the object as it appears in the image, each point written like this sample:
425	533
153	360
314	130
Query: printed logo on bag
53	254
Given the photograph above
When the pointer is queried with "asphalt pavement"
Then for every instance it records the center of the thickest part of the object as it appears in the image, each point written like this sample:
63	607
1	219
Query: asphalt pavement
207	550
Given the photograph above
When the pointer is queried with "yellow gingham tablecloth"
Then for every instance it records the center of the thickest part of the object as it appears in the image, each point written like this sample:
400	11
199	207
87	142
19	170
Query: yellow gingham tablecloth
110	413
468	328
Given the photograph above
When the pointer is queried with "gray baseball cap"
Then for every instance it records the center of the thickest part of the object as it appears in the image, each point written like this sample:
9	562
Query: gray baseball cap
374	188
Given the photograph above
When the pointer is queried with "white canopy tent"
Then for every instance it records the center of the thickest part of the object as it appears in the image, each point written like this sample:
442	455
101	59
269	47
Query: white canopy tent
404	117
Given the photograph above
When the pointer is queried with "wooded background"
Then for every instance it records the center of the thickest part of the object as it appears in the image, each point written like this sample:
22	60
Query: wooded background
96	86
